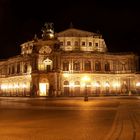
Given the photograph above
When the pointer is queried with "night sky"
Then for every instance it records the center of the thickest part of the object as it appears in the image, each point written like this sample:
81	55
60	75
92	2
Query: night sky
117	21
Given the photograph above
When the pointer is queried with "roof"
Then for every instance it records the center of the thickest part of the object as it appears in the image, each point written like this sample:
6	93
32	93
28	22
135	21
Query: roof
72	32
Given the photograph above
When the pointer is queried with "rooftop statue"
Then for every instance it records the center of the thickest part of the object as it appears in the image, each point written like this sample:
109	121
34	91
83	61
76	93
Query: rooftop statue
48	31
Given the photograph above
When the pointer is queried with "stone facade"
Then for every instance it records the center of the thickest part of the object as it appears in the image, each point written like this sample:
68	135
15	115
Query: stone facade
69	63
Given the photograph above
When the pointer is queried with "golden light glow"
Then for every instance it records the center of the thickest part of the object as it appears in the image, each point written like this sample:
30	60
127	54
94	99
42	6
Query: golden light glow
16	86
42	89
13	86
85	78
3	86
71	84
24	86
107	84
97	84
83	85
138	84
41	66
116	84
51	35
47	61
66	75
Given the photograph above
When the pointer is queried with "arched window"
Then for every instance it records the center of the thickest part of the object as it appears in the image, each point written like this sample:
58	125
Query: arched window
107	66
107	86
83	43
96	44
65	66
77	83
25	68
66	82
125	87
8	71
97	66
13	69
123	67
77	88
49	64
18	68
76	43
76	66
97	87
61	43
87	65
68	43
66	88
90	43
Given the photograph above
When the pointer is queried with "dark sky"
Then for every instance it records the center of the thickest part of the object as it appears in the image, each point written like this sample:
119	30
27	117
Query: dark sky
118	21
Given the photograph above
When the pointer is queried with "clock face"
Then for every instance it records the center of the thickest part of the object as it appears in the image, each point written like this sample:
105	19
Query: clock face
45	50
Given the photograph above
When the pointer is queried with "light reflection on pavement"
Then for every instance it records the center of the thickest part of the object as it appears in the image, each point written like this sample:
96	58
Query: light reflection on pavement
70	119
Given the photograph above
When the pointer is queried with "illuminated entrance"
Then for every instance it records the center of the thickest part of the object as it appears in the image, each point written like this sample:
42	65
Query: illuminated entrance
43	89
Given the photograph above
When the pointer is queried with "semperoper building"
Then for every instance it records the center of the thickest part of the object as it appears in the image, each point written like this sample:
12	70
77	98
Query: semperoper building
68	63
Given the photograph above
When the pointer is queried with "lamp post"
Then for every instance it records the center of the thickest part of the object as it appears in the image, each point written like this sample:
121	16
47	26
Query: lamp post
85	79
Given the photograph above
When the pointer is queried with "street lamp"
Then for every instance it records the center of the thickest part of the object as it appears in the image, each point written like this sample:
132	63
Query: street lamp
85	79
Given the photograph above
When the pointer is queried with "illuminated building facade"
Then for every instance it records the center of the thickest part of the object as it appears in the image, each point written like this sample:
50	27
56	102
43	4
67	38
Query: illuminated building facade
68	63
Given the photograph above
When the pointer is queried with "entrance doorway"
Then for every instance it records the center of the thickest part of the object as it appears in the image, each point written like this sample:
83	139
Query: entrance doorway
43	89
